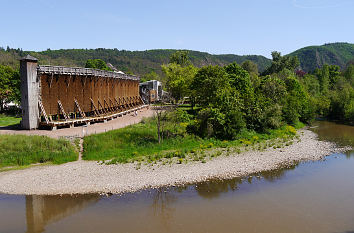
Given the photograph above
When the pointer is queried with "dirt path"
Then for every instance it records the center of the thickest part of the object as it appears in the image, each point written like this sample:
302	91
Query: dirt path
80	131
81	148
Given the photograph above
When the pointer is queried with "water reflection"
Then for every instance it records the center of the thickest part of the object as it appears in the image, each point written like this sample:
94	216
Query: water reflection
331	131
162	205
42	210
343	135
274	175
213	188
162	208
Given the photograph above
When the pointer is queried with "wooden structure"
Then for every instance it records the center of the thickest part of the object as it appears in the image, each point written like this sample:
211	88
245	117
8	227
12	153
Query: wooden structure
68	96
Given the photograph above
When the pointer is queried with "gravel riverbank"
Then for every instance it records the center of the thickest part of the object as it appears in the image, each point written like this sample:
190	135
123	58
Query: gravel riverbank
90	177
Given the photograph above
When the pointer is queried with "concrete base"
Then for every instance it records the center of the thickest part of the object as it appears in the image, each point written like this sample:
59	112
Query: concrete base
105	121
54	128
72	126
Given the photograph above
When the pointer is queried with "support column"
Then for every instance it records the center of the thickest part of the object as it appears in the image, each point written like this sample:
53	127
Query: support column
29	92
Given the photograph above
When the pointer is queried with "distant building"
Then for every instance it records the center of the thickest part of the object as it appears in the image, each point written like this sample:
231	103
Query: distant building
151	91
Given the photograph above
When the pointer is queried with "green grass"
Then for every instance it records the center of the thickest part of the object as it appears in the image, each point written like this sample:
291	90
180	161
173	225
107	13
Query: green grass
6	120
139	143
134	141
21	150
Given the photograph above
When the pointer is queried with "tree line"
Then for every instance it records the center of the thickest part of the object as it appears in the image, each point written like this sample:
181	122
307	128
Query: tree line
236	97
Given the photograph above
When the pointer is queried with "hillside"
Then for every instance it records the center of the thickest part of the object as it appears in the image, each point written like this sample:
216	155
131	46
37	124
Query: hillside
313	57
142	62
137	62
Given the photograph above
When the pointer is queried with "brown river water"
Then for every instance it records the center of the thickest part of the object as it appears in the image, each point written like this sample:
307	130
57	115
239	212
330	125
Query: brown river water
307	197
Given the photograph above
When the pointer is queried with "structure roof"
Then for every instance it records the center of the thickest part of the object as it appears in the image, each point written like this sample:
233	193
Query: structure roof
29	58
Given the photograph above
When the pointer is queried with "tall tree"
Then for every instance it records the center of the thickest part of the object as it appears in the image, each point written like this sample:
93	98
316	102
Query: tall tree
179	79
181	58
97	64
9	86
280	63
250	67
209	83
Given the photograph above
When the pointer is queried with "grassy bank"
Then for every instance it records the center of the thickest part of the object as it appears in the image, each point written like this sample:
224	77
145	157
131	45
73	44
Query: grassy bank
21	150
6	120
139	143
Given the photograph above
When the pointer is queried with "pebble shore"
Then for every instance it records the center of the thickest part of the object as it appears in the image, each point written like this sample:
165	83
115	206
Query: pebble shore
82	177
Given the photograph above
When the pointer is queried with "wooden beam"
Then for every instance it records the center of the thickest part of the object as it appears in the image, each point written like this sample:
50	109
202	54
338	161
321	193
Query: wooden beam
43	110
95	108
99	104
78	107
62	110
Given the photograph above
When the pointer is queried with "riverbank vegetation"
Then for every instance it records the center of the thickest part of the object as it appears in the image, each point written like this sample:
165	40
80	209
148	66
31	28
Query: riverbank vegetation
230	107
139	142
237	96
21	150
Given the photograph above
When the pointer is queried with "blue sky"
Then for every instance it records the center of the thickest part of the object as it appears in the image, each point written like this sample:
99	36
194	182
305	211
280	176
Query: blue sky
218	27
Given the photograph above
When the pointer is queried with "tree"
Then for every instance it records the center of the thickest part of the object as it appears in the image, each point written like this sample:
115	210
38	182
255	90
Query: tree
299	105
9	86
209	83
250	67
349	72
97	64
323	77
273	89
160	114
179	79
149	76
181	58
221	114
334	72
281	62
179	75
239	78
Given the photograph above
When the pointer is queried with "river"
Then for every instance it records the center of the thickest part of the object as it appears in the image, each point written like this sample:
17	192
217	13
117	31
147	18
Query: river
306	197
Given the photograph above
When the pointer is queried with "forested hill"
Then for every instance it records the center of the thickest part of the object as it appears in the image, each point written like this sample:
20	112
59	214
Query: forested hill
313	57
137	62
142	62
